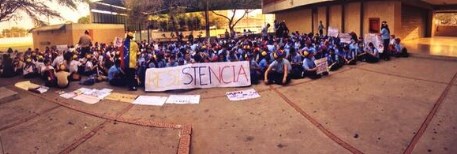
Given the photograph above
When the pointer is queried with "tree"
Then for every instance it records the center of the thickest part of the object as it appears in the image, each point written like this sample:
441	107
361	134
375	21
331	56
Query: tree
36	10
14	32
84	20
234	4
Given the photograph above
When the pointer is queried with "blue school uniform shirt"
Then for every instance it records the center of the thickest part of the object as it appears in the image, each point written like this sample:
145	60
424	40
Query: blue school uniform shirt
308	63
278	66
385	34
263	64
374	51
113	71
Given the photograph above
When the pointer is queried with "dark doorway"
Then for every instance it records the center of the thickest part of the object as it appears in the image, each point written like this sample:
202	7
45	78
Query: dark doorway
374	25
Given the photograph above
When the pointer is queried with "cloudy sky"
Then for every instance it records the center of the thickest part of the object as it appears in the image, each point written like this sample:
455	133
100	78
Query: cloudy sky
67	14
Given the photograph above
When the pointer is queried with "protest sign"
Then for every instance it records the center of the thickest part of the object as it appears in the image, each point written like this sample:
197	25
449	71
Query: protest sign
183	99
87	99
333	32
150	100
322	65
62	47
198	75
117	42
345	37
376	40
26	85
126	98
242	95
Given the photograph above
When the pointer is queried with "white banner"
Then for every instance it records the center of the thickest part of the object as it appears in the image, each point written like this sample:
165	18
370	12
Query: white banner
62	47
376	40
333	32
322	65
199	75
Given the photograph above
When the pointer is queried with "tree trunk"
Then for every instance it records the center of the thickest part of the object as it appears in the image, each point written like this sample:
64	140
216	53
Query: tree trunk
207	20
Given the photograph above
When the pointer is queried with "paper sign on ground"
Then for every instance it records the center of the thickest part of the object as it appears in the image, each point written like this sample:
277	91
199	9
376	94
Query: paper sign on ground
26	85
242	95
87	99
322	65
150	100
126	98
68	95
183	99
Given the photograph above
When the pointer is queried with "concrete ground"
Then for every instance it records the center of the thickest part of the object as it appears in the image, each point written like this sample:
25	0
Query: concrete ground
400	106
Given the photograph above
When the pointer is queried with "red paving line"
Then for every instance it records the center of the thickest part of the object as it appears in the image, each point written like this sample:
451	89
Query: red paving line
401	76
429	118
28	118
83	139
1	144
324	130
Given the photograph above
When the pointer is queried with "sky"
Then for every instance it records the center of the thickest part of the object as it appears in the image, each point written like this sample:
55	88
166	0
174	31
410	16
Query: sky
66	13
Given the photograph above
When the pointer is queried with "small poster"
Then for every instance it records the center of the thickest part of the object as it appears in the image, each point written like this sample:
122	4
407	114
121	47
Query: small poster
126	98
322	65
333	32
242	95
183	99
150	100
117	42
376	40
345	38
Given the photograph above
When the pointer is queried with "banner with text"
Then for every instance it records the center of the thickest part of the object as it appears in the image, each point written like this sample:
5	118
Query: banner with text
199	75
375	39
333	32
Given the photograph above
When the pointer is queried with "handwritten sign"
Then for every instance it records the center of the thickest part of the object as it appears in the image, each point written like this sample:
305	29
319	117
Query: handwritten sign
242	95
376	40
322	65
199	75
183	99
117	42
333	32
345	37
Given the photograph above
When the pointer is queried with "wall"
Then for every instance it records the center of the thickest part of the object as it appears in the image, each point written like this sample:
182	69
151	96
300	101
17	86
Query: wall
335	17
54	37
413	22
296	20
321	16
389	11
446	31
352	17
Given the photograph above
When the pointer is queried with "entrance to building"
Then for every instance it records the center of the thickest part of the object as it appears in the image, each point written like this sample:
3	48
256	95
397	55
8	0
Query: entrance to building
445	24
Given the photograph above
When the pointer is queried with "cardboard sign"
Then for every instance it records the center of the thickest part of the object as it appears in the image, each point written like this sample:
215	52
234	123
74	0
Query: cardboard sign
345	38
183	99
150	100
242	95
126	98
333	32
199	75
376	40
322	65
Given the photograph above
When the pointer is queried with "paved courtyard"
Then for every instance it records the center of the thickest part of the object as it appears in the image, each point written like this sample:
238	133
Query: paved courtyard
400	106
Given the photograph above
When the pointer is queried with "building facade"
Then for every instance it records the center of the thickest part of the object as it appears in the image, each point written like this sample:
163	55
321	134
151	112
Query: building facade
407	19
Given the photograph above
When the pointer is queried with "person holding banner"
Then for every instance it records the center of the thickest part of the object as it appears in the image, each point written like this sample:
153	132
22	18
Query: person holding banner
278	71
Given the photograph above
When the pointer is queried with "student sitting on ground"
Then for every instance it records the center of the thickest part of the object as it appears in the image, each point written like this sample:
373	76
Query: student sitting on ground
372	54
30	70
310	69
49	74
334	60
116	76
62	77
398	49
255	69
7	66
278	71
297	69
350	56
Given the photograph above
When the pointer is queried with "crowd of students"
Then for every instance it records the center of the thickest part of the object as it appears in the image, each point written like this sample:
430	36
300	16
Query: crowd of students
275	59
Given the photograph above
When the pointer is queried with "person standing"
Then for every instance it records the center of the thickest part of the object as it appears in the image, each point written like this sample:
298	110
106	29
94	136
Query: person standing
85	42
385	36
130	61
321	28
